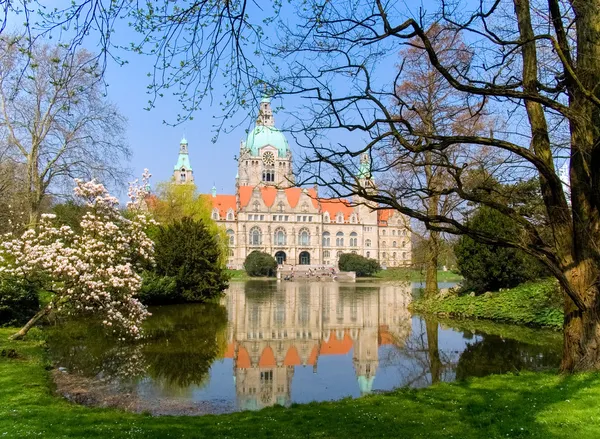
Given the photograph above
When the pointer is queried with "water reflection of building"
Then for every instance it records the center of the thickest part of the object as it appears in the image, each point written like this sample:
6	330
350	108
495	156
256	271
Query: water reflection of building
294	324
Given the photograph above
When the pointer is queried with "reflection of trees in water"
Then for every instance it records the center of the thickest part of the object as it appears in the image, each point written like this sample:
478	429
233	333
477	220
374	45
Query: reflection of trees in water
178	349
494	354
422	362
418	357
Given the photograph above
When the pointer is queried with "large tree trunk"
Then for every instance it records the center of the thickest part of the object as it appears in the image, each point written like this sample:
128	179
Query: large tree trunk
23	331
431	264
581	338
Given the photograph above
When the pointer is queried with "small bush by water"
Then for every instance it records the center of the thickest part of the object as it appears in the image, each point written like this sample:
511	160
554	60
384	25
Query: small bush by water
260	264
18	302
363	267
532	303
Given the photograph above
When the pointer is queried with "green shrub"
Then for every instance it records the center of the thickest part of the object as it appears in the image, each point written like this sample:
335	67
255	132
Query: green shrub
488	268
158	290
18	302
260	264
188	254
533	303
361	265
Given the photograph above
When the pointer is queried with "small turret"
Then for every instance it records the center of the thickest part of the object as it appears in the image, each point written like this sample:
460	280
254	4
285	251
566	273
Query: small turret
214	191
182	171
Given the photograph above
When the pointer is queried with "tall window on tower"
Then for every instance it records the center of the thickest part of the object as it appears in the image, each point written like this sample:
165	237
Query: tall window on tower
268	167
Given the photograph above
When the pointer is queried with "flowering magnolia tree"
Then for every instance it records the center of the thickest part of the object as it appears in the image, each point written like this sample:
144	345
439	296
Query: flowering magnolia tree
95	271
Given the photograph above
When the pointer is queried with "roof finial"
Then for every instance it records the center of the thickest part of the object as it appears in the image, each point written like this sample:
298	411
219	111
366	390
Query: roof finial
214	190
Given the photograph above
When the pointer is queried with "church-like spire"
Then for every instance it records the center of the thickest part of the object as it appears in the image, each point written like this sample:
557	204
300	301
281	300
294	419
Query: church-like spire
183	146
364	171
182	171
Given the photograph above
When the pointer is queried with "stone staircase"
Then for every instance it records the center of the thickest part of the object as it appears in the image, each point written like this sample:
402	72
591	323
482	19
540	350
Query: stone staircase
318	273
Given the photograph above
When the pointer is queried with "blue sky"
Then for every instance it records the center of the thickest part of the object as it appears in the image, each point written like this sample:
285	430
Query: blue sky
155	144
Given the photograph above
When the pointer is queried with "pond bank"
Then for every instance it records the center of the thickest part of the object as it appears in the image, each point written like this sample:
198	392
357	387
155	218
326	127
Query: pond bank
532	304
529	405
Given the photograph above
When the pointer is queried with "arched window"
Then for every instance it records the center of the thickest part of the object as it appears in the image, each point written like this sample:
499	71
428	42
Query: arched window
353	239
325	253
326	217
230	237
304	237
368	254
326	239
353	218
383	254
255	236
367	243
403	255
338	254
383	232
394	255
230	252
383	244
280	237
215	214
339	218
403	244
230	215
339	239
394	244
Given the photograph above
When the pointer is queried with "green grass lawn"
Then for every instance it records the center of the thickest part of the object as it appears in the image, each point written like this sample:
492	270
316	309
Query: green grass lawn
413	275
239	275
533	303
515	406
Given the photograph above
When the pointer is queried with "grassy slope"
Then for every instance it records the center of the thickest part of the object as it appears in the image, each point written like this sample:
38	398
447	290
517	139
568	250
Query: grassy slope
534	303
410	274
525	406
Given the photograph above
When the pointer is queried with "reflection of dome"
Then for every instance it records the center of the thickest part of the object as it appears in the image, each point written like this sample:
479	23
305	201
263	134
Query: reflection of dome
265	135
365	384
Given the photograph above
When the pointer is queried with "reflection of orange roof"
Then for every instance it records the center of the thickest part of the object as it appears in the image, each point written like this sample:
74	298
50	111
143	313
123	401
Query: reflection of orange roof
312	360
291	357
223	203
243	359
384	336
334	206
267	358
337	347
230	350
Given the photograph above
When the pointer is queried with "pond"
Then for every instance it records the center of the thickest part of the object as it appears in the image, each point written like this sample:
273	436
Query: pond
271	343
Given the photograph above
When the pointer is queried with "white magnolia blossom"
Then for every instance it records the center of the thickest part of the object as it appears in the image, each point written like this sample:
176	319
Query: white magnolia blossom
95	271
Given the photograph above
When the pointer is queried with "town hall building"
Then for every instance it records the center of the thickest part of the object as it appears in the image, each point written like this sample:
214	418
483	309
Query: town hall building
268	213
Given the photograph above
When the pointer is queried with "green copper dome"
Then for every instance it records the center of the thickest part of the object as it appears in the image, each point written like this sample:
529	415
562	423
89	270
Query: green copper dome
266	135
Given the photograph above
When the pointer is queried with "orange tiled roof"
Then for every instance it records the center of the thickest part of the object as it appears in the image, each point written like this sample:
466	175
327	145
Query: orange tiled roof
269	193
384	215
223	203
334	206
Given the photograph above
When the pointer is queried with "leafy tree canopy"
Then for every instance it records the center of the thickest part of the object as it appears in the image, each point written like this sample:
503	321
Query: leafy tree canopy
260	264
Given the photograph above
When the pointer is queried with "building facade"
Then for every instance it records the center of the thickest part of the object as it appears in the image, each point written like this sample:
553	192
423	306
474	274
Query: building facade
268	213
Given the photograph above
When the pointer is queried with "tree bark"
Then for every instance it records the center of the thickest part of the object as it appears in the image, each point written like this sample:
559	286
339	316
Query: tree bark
431	264
23	331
